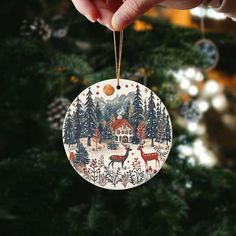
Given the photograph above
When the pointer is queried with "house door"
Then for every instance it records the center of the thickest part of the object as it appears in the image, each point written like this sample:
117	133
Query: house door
125	139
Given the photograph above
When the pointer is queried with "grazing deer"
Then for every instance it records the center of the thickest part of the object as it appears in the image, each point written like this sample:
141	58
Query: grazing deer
119	158
149	157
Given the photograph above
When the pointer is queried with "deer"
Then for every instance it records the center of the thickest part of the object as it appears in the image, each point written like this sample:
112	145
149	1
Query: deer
149	157
120	158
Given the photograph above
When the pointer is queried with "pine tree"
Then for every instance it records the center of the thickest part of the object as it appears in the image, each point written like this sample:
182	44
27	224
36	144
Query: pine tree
151	120
159	121
78	120
167	131
98	112
138	107
96	137
141	133
127	112
145	109
68	132
106	133
161	126
89	117
137	114
81	155
112	145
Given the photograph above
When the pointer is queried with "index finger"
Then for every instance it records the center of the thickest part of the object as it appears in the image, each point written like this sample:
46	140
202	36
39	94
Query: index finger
86	8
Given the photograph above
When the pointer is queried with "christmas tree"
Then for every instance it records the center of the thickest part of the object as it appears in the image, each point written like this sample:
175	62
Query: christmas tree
81	155
68	134
40	193
90	121
151	120
78	124
137	116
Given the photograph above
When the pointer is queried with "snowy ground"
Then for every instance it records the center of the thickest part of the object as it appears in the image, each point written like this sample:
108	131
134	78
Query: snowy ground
106	153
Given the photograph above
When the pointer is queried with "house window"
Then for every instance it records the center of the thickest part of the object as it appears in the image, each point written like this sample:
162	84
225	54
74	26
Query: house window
124	126
126	132
118	131
120	138
116	138
123	132
130	132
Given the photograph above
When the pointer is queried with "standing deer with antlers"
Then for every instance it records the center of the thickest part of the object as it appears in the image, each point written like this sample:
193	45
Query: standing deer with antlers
119	158
149	157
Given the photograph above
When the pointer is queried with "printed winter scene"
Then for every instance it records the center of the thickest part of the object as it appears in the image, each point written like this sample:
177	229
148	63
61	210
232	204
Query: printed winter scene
119	141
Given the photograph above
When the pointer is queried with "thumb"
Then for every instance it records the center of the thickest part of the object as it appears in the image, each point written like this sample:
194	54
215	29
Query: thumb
129	11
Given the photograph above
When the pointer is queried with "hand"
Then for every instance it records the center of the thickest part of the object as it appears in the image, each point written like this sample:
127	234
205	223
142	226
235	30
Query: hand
116	14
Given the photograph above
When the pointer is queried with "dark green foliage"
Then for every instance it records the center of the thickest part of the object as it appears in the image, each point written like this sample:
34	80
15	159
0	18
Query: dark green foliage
41	194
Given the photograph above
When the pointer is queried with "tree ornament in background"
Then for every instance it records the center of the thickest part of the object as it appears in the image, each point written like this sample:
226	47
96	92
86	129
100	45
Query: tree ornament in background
59	28
38	28
111	139
190	111
56	112
210	52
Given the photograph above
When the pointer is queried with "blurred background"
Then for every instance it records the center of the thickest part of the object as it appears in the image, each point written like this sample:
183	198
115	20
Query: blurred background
49	54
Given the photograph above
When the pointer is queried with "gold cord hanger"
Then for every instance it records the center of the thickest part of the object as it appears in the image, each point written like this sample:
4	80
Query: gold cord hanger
118	55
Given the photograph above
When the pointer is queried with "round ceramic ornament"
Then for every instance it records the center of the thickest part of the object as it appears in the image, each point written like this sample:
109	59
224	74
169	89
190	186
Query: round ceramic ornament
209	51
117	138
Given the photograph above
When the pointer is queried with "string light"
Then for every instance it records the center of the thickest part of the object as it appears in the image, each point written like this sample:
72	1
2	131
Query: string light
193	90
210	13
219	102
203	105
204	156
211	88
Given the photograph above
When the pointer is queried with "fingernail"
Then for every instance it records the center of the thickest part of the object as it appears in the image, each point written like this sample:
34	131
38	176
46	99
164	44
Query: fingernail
119	22
90	19
115	22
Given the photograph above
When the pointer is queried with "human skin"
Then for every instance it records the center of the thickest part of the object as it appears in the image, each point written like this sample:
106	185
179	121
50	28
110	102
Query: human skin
117	15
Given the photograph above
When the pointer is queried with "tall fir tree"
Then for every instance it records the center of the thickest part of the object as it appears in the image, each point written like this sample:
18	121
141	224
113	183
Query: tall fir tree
106	132
127	112
89	117
78	120
81	155
159	121
167	130
98	112
151	130
68	130
137	116
145	110
138	113
161	126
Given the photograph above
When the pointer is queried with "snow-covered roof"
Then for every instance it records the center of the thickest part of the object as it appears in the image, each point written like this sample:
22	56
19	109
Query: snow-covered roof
119	122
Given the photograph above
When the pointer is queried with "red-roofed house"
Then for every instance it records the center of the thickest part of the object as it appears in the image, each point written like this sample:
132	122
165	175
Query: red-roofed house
122	130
